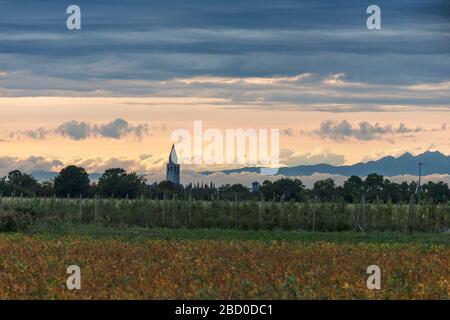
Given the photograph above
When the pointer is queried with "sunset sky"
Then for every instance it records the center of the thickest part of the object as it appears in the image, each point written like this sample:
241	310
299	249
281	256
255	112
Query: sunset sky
112	93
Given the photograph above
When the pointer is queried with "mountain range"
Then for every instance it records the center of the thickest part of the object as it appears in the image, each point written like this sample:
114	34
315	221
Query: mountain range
434	162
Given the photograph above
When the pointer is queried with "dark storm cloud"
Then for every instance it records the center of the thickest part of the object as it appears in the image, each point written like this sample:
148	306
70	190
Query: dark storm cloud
155	40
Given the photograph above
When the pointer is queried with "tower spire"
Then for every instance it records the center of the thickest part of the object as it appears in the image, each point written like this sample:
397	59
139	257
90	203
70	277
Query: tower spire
173	168
173	158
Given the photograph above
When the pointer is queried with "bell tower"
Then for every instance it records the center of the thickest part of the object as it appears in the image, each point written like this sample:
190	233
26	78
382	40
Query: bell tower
173	168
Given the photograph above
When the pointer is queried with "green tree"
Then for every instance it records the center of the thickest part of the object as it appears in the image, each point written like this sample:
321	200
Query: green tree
392	191
19	183
437	192
353	188
291	189
116	182
373	185
230	192
325	189
72	181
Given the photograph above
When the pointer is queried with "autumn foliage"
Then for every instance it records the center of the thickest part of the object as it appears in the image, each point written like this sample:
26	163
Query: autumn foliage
35	267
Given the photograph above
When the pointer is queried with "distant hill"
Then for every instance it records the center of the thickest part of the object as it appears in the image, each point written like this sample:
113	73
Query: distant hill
434	163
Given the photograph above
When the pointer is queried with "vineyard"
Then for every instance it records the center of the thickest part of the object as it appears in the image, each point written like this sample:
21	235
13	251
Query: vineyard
17	214
190	249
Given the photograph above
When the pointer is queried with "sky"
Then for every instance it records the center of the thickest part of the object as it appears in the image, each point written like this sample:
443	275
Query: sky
112	93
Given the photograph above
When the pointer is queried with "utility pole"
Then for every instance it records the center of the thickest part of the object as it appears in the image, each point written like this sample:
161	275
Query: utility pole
420	180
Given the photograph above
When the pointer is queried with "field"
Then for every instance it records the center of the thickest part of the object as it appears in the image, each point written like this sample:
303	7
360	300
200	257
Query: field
17	214
136	267
150	249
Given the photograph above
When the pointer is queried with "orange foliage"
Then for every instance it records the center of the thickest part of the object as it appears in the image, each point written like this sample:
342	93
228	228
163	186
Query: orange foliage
33	267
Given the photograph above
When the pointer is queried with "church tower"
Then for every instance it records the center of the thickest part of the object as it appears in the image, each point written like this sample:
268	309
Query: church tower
173	168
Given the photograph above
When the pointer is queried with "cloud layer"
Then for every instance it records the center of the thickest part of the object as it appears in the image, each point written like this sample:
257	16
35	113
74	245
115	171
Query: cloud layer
363	131
290	157
116	129
152	166
276	54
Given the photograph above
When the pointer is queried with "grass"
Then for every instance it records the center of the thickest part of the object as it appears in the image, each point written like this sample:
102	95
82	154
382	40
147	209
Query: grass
98	232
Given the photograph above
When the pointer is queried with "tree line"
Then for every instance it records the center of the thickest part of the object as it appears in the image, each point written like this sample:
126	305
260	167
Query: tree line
74	181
